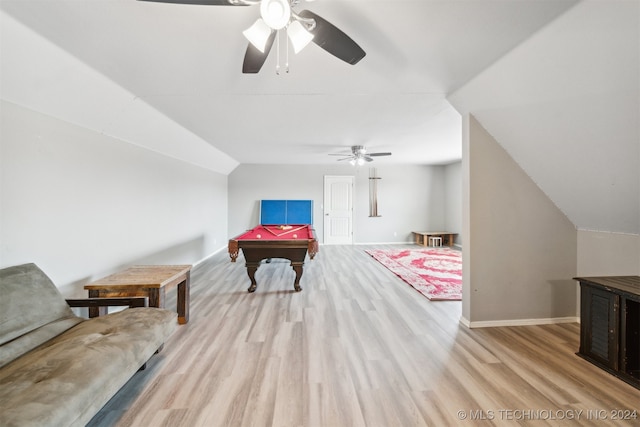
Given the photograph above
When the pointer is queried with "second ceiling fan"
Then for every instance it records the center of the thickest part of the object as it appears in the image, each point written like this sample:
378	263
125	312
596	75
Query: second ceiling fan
302	28
359	155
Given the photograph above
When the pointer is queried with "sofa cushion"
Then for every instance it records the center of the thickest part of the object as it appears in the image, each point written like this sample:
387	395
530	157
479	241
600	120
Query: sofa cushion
72	376
29	301
27	342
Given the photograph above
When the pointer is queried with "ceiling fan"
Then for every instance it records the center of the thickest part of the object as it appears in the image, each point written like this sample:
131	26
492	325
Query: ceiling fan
302	28
359	155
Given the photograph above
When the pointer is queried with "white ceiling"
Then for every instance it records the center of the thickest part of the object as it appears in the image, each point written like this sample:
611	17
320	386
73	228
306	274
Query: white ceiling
185	62
556	82
566	106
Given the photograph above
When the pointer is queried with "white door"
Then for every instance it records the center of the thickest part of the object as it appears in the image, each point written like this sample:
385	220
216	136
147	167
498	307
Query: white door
338	210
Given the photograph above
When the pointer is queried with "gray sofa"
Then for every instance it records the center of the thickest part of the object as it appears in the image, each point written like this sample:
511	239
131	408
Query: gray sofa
58	369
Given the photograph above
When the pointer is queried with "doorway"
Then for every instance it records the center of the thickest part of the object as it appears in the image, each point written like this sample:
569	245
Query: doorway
338	210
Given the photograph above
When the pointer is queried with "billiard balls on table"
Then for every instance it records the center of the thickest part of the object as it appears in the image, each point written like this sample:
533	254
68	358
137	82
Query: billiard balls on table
295	236
259	236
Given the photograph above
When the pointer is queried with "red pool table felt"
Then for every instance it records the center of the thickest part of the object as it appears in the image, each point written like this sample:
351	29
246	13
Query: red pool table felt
291	242
275	232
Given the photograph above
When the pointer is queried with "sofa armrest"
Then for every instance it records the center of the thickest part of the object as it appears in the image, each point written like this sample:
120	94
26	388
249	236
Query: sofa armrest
109	302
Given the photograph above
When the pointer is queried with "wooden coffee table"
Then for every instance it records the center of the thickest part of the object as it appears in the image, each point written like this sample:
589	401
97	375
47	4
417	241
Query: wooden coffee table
145	280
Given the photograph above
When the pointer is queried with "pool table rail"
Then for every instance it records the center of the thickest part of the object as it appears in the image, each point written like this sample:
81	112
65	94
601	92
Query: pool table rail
256	249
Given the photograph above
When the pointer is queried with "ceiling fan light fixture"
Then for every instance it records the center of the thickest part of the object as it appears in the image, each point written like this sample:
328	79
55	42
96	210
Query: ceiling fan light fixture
276	13
360	161
298	35
258	34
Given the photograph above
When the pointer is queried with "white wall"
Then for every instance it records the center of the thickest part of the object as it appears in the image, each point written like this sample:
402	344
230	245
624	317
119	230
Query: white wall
411	197
453	200
564	105
520	253
37	74
608	254
81	204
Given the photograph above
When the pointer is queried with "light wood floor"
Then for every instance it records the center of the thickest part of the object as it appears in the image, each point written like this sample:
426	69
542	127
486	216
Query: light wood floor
357	347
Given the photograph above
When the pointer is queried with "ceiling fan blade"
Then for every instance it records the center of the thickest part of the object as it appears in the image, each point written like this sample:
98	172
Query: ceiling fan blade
368	159
379	154
200	2
254	59
333	40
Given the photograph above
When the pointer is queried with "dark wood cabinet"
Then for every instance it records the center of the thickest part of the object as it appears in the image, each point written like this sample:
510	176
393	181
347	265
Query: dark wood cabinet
610	324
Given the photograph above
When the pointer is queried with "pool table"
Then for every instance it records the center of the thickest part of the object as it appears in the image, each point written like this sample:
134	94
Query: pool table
290	242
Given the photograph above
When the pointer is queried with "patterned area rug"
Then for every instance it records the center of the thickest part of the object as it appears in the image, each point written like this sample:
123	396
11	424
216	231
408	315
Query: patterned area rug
435	272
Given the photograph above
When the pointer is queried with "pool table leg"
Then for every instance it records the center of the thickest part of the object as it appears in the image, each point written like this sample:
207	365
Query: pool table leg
297	267
251	271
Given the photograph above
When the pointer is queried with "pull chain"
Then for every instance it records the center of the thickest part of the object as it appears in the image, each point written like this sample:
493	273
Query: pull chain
287	64
278	53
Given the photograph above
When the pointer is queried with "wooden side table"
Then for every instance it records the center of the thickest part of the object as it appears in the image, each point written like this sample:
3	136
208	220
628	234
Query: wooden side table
145	280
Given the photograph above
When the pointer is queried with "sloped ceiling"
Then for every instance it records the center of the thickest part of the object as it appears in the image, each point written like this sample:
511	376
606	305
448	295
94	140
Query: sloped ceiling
555	82
184	61
566	105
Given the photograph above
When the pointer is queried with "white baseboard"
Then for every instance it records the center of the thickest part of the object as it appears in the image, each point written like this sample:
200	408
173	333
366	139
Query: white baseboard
518	322
382	243
408	242
197	263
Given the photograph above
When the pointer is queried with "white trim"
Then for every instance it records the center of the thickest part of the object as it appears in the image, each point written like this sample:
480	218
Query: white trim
589	230
517	322
384	243
197	263
408	242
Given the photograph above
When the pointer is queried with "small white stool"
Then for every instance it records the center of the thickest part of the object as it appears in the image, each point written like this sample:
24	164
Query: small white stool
435	241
